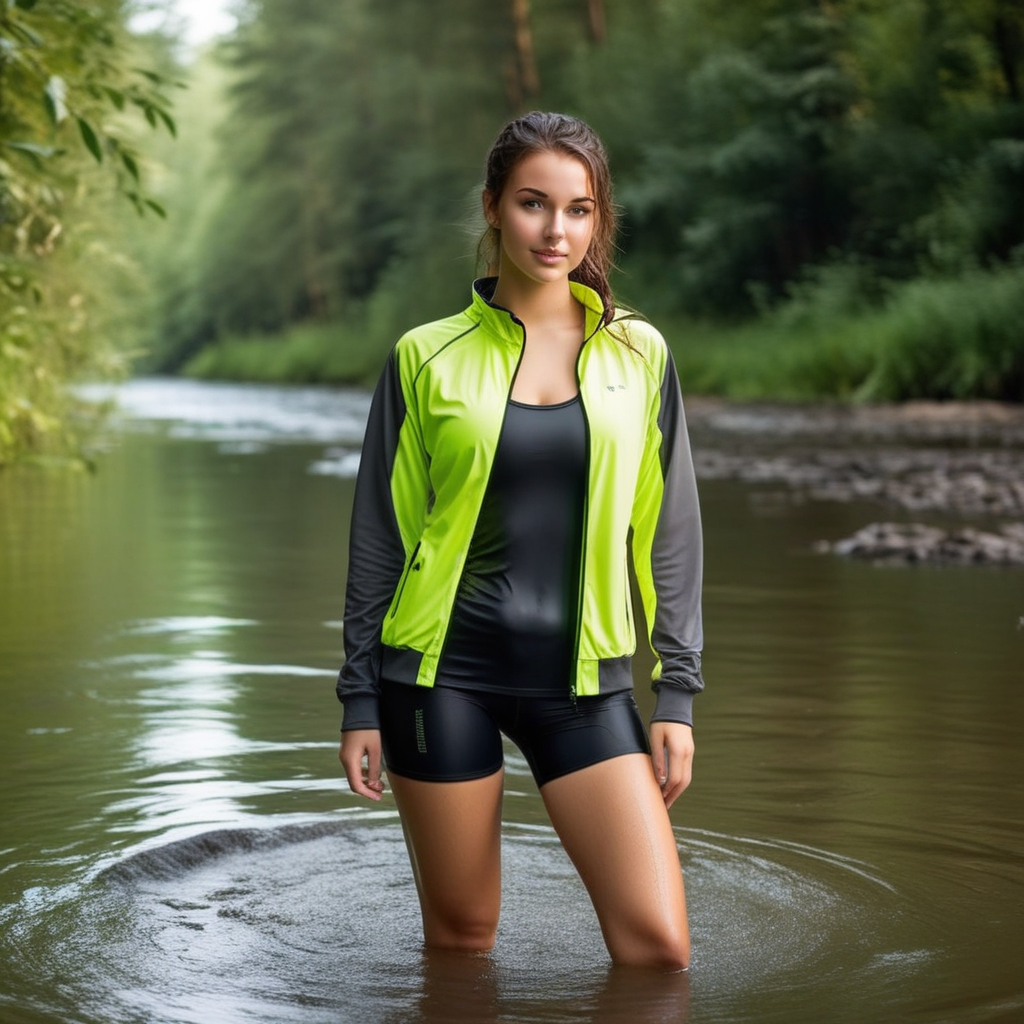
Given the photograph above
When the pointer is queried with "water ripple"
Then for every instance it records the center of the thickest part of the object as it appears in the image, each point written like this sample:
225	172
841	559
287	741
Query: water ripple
280	924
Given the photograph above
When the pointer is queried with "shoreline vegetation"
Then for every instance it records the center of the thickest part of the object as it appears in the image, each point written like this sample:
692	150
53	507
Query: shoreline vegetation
932	338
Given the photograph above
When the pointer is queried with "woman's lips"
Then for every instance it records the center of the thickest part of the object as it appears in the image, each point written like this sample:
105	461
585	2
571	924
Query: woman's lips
549	255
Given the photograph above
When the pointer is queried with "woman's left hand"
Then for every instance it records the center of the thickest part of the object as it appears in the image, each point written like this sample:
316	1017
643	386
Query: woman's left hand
672	758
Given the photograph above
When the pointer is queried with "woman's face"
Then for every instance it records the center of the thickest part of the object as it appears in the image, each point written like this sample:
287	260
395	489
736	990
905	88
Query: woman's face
546	216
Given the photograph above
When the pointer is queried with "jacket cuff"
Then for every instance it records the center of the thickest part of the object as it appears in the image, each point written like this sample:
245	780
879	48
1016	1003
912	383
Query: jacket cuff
362	711
673	705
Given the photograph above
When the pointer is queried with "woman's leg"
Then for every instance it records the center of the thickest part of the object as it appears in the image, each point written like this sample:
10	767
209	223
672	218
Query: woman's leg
453	832
444	763
613	824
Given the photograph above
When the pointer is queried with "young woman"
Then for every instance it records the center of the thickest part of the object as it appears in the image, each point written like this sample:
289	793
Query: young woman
510	450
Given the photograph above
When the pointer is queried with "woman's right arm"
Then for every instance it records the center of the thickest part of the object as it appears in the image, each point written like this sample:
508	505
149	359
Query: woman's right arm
382	534
360	756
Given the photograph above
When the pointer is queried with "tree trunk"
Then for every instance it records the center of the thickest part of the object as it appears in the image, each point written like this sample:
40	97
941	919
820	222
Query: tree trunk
513	86
598	26
1008	37
528	77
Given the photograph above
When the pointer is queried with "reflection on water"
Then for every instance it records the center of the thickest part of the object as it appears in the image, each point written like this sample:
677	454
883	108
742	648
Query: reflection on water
177	845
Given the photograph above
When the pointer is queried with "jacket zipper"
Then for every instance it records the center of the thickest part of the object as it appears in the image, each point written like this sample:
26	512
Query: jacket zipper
411	567
487	483
574	672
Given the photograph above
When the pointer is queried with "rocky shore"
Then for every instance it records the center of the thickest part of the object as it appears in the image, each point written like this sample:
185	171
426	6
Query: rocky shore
916	543
997	424
962	460
982	483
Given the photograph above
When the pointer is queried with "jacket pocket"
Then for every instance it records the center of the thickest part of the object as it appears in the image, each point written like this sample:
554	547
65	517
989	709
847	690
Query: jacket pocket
413	566
630	624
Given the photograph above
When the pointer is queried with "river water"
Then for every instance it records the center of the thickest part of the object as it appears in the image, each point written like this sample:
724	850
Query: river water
178	846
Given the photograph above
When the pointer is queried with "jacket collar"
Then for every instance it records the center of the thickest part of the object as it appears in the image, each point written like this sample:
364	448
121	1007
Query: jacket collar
503	322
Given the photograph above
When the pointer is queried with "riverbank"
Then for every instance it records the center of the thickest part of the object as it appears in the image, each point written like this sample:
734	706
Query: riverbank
958	462
964	459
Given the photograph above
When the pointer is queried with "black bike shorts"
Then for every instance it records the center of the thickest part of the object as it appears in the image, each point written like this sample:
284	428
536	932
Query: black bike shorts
445	734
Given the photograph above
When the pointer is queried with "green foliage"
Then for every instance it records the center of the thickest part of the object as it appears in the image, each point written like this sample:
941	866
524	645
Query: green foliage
957	338
304	353
946	338
803	179
339	166
763	359
65	79
784	135
735	181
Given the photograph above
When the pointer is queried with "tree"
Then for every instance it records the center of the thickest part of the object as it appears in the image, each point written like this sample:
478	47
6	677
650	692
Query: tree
66	79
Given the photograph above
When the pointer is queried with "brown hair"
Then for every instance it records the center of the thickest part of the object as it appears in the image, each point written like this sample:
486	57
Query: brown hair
538	132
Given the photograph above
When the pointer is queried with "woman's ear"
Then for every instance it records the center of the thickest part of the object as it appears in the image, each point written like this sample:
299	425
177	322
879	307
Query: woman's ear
490	210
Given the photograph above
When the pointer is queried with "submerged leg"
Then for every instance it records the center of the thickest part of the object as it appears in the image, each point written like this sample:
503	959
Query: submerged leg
612	821
453	833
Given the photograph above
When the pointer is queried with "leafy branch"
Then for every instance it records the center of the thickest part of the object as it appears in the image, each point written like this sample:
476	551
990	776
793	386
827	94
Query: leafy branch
36	42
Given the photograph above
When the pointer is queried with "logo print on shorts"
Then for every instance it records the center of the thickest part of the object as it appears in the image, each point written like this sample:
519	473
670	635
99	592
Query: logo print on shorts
421	736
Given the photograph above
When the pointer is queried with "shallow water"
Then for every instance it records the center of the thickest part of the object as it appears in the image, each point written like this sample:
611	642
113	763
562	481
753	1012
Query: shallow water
177	845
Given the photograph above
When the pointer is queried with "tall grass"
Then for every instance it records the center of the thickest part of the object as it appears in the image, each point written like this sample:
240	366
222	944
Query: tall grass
314	353
953	339
959	338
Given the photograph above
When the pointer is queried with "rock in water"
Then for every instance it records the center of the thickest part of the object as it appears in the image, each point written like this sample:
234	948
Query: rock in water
916	543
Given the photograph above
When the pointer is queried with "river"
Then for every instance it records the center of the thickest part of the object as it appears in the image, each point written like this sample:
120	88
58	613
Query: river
178	846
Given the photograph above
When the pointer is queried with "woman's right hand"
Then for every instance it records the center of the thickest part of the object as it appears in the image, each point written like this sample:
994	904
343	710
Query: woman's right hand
360	756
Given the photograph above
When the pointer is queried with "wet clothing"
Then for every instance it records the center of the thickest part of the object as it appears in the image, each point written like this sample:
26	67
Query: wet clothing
441	734
428	455
508	657
514	619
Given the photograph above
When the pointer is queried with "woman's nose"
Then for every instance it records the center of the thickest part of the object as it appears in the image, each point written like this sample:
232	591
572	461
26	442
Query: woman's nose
556	226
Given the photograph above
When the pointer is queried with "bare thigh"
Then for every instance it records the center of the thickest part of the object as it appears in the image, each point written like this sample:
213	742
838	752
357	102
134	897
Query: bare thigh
613	824
453	833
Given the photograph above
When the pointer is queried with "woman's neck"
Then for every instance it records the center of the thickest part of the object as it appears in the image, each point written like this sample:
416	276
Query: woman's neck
536	303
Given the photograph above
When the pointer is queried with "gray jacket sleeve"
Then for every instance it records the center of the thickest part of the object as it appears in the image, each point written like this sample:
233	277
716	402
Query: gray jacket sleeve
677	562
376	554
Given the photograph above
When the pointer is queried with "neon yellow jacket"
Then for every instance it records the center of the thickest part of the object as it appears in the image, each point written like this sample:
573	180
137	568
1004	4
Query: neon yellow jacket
431	436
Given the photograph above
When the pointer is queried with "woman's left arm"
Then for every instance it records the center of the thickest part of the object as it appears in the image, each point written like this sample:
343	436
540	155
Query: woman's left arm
668	559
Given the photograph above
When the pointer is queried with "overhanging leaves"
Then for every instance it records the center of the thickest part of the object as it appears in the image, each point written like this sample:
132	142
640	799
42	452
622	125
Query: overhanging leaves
55	99
91	139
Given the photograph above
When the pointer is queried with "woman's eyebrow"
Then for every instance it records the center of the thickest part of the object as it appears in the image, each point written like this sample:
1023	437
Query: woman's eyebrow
544	195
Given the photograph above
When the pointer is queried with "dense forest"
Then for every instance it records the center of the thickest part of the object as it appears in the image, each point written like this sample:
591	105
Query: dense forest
820	198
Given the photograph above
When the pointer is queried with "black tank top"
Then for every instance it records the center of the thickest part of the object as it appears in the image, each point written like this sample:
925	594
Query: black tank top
513	626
